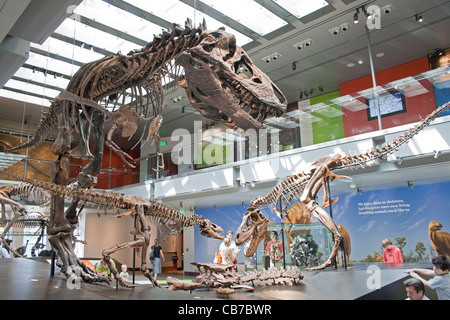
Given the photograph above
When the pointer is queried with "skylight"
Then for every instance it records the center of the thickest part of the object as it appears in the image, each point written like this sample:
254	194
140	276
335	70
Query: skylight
68	51
26	98
301	8
175	11
248	13
31	88
51	64
94	37
47	80
118	19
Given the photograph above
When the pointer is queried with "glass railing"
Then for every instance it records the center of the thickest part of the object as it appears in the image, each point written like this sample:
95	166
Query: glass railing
330	117
309	122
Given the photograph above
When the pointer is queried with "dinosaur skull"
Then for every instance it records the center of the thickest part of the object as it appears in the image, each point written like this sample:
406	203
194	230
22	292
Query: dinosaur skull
253	228
210	230
224	84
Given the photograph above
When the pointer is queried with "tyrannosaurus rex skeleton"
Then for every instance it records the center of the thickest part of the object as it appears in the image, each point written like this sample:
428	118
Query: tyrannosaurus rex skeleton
213	80
304	186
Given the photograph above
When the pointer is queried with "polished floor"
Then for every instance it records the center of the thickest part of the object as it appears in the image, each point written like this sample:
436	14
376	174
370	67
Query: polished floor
30	279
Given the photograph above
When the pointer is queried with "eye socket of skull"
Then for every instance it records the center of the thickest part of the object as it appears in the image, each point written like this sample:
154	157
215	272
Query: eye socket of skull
256	216
243	69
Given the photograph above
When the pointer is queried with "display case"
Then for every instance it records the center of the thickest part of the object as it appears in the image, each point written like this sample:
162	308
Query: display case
303	245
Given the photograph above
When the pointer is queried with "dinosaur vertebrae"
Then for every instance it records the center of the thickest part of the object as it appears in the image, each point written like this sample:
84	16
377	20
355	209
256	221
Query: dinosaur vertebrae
376	154
294	185
112	75
27	192
109	199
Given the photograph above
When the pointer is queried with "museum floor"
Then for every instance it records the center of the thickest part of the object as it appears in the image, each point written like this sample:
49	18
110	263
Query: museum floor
30	279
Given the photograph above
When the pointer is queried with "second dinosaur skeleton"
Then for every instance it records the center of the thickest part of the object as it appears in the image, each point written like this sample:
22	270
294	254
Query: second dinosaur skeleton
304	186
145	210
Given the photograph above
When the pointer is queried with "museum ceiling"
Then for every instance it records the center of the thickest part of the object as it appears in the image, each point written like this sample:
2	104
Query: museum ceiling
62	39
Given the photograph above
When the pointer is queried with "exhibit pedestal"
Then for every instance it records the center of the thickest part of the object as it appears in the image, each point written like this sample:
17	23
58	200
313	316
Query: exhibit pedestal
30	279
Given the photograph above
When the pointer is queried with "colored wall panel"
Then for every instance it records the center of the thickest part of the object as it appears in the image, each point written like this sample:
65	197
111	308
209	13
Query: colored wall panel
419	100
327	124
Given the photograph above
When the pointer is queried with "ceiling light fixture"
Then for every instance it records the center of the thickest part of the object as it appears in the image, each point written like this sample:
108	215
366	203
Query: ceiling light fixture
387	8
355	16
273	56
334	31
419	18
302	44
345	26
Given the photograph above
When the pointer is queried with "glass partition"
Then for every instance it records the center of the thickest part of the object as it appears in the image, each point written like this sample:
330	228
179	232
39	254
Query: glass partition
303	245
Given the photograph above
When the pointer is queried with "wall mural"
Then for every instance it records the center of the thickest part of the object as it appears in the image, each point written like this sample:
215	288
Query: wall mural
397	214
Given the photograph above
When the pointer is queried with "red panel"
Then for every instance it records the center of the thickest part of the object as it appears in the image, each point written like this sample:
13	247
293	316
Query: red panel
121	174
417	107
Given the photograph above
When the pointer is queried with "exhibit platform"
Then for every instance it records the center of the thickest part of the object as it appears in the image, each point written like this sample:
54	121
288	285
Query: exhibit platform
30	279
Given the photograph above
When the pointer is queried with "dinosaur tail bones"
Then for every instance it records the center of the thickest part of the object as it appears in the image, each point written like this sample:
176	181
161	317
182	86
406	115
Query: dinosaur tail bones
374	155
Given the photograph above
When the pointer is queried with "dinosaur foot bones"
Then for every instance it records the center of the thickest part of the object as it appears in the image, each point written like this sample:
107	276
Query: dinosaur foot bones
227	281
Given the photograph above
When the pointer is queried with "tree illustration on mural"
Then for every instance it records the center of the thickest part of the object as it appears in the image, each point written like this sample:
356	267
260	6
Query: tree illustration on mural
421	250
401	243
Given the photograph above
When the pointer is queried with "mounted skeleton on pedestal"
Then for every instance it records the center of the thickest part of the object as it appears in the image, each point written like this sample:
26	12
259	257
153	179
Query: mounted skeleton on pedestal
212	80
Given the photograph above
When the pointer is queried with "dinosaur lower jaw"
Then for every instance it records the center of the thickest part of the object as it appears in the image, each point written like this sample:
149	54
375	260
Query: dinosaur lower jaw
249	111
256	238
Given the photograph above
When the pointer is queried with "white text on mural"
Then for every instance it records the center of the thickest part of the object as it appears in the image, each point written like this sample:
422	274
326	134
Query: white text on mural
389	206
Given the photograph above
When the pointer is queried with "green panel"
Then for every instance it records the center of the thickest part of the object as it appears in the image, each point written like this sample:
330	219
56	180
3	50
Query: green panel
211	155
330	125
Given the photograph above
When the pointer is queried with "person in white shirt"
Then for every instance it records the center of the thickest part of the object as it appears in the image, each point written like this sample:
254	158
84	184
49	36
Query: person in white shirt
235	250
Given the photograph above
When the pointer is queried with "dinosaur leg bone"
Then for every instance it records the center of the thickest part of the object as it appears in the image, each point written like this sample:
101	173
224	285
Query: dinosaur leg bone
70	264
107	254
142	242
326	220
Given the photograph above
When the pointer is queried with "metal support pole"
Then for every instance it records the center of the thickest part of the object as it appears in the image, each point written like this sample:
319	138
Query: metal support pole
282	237
134	252
374	81
28	119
